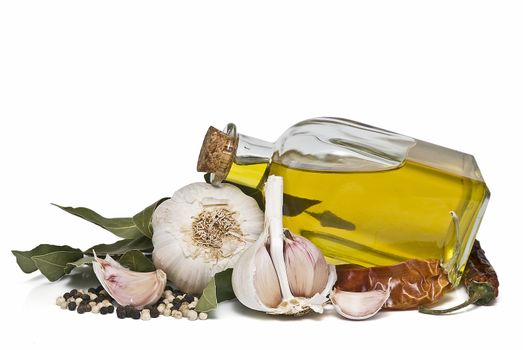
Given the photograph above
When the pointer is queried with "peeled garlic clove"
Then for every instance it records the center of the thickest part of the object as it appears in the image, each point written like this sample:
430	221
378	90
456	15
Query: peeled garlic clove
358	305
128	287
307	269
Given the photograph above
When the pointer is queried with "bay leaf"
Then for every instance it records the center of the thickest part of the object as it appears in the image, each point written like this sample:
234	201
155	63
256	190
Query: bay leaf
142	243
137	261
217	290
23	258
86	260
53	265
142	220
121	227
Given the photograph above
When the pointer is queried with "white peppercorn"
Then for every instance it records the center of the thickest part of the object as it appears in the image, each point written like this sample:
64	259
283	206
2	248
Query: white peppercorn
161	308
145	315
192	315
176	314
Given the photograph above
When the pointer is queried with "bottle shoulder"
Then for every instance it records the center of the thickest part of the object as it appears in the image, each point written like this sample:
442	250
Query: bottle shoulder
335	144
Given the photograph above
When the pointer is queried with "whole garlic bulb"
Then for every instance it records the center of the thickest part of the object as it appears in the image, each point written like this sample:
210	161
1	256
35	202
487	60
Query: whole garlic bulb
202	230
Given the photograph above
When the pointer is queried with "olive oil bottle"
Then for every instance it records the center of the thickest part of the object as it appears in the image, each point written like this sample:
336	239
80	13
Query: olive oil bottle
363	195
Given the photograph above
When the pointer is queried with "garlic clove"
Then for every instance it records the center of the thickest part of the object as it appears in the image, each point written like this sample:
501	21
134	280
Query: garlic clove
358	305
128	287
243	277
265	279
307	269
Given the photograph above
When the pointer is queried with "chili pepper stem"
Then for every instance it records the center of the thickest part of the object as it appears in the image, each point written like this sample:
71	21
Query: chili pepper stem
472	299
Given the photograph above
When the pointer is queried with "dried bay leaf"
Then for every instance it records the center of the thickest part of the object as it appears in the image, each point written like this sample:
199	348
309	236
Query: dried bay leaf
53	265
122	246
137	261
128	228
23	258
121	227
86	260
217	290
142	220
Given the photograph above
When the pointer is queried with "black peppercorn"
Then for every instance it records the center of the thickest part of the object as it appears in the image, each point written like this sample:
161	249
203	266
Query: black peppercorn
88	308
103	310
86	297
91	290
110	309
176	304
128	310
135	314
71	306
67	295
120	312
80	309
73	292
188	298
155	313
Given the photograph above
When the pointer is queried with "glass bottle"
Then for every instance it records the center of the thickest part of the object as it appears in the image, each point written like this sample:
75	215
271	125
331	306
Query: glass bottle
363	195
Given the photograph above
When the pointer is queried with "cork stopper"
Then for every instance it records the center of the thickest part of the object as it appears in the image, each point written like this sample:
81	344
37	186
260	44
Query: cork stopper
217	152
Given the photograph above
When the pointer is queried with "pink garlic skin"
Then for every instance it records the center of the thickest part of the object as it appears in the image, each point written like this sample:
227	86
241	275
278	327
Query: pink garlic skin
307	269
127	287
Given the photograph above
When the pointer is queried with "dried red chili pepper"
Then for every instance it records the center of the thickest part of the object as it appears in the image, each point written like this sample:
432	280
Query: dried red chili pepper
480	280
413	282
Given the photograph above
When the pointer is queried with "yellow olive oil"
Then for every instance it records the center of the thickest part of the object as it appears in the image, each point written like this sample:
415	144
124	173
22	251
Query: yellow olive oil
380	217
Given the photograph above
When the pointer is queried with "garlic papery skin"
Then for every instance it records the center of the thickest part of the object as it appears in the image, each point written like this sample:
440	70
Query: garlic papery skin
359	305
300	255
261	277
128	287
202	230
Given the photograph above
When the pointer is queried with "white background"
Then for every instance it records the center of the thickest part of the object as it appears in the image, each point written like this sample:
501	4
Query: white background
104	104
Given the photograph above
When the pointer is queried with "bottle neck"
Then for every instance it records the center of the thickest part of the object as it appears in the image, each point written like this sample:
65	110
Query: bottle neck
251	162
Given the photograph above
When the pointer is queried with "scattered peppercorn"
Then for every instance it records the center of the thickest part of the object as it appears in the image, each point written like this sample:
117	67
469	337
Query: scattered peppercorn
155	313
177	303
174	303
120	312
135	314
